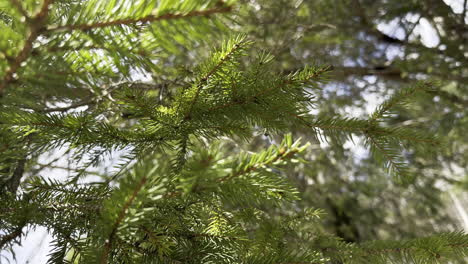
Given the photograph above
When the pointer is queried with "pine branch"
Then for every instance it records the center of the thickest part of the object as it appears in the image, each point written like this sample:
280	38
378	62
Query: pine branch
248	164
36	27
146	19
405	134
302	78
144	183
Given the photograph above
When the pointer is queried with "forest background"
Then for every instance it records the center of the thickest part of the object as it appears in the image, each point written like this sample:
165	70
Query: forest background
373	48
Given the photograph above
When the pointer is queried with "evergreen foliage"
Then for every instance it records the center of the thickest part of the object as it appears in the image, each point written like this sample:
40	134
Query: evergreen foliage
186	191
376	47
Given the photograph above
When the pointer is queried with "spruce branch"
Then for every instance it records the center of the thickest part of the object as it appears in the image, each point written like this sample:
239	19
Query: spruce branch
5	239
280	155
238	44
399	98
14	182
285	151
408	135
146	19
300	77
36	27
391	159
120	218
248	164
143	184
289	80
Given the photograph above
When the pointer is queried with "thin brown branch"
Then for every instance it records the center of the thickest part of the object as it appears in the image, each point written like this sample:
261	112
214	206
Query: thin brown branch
463	14
389	72
9	237
327	127
36	26
383	70
371	29
14	181
120	218
146	19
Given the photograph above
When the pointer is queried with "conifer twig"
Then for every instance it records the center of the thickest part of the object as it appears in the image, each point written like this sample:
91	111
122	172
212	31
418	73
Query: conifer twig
327	127
146	19
208	75
36	26
280	155
120	218
9	237
396	99
392	164
14	181
262	92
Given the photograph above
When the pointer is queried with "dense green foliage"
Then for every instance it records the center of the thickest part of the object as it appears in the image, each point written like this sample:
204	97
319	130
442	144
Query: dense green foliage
200	177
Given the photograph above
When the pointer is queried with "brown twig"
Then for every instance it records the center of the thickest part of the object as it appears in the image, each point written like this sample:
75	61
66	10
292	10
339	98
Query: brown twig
146	19
120	218
36	26
8	237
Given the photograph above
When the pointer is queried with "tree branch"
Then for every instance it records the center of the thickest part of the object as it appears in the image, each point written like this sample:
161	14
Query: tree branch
146	19
463	15
208	75
120	218
9	237
36	26
15	180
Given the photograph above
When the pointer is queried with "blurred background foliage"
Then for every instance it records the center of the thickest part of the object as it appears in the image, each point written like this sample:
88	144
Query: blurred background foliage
375	48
